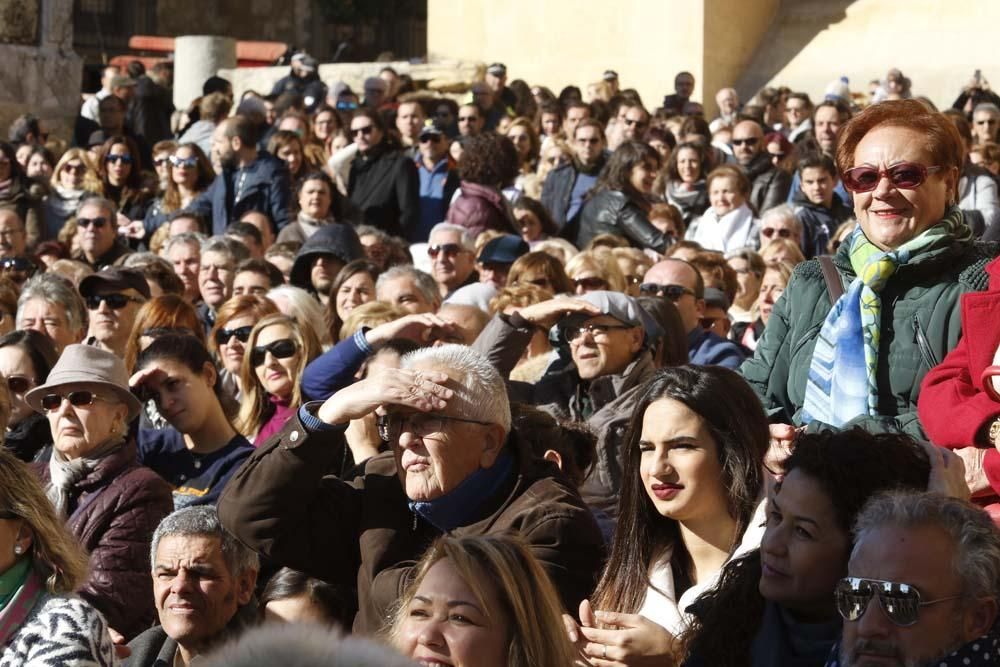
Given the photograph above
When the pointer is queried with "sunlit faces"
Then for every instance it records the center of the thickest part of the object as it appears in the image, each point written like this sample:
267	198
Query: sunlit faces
365	133
826	122
574	116
403	292
356	290
410	120
724	195
747	279
195	593
215	278
50	319
251	282
292	155
528	224
817	185
688	165
451	269
643	175
748	141
97	237
78	430
183	397
604	346
184	172
550	123
447	623
38	167
72	173
15	362
276	375
296	609
324	270
119	164
679	463
588	144
892	216
315	198
231	351
186	261
804	550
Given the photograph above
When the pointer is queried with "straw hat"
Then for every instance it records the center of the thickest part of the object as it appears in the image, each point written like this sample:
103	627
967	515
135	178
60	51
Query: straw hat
91	368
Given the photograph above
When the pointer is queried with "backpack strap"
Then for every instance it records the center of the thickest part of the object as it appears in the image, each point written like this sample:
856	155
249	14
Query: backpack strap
834	286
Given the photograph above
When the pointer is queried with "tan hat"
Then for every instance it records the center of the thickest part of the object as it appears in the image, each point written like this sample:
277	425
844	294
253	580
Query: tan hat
92	368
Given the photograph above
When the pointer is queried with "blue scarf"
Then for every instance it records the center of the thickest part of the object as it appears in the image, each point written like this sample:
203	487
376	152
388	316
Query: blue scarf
460	505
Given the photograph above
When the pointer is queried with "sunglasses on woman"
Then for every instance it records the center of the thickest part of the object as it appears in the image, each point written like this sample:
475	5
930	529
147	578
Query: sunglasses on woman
185	162
768	232
124	159
900	603
78	399
279	349
903	176
592	283
222	336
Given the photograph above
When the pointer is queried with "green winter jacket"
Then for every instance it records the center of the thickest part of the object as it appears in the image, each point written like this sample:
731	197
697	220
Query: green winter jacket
920	323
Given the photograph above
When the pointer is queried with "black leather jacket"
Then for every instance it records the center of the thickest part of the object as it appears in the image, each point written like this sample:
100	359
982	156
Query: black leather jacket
770	185
612	212
558	189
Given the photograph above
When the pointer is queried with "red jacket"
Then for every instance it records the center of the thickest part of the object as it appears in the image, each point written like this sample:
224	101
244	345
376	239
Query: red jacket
479	208
953	406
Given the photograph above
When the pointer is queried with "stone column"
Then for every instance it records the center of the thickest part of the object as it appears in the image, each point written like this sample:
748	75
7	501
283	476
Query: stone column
196	58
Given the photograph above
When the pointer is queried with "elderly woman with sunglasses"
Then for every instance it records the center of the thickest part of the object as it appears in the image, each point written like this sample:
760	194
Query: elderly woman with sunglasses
108	500
853	337
276	354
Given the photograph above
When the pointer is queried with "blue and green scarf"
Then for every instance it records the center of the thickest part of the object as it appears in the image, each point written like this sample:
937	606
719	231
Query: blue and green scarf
842	376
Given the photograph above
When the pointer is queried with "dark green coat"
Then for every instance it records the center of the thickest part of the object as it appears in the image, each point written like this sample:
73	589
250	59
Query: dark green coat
920	323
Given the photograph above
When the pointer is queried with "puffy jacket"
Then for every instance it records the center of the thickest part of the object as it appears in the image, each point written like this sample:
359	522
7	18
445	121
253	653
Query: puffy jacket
953	407
266	188
979	201
612	212
769	185
282	504
920	325
384	184
558	189
114	512
480	207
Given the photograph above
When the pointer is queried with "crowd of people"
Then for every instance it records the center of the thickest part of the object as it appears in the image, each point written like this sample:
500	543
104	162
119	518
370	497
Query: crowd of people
385	377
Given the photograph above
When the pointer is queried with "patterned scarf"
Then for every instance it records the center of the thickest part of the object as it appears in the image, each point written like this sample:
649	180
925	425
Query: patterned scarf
64	473
842	375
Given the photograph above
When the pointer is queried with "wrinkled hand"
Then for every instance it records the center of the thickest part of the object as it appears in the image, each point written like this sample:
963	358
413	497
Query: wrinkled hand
948	475
421	390
547	313
415	327
975	475
782	437
626	639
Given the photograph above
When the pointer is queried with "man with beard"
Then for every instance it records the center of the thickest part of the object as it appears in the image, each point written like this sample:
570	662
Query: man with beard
922	585
321	258
567	186
247	179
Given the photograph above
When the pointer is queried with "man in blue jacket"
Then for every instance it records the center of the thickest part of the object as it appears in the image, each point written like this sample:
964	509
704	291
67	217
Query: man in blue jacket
248	180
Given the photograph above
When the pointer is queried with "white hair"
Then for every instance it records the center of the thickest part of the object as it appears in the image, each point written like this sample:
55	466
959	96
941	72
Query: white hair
186	238
203	520
782	212
302	307
480	392
53	288
464	239
424	282
303	645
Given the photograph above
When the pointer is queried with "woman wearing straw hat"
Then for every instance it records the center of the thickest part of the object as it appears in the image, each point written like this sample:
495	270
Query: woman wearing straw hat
109	502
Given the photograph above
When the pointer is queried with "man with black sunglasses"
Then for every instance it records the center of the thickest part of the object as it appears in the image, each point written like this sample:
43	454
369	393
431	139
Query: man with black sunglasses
100	244
680	282
769	185
923	584
113	297
453	260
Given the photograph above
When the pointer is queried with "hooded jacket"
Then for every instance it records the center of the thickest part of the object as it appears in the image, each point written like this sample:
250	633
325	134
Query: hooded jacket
338	239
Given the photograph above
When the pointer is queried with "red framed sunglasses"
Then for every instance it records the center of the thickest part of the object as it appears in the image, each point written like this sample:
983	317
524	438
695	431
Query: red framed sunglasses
903	176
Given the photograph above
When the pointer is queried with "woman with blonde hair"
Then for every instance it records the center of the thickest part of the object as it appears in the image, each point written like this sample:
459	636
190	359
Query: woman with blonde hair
41	565
227	341
782	250
277	353
541	270
593	270
510	614
370	315
535	359
73	180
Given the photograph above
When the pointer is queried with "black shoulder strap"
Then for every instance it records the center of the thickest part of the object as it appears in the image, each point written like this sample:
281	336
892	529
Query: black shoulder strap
834	286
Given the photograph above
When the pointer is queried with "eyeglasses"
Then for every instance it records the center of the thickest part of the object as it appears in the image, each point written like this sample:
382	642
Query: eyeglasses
592	283
633	121
768	232
391	426
124	159
75	168
222	336
18	384
596	331
160	161
78	399
279	349
114	300
449	249
749	141
87	222
366	130
183	162
901	603
903	176
672	292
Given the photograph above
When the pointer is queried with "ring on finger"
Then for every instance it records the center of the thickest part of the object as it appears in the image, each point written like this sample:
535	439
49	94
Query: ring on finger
604	652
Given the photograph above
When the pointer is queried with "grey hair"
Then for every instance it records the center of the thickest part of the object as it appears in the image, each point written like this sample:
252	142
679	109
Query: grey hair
226	245
369	230
141	260
54	288
189	238
751	256
480	392
987	106
464	239
108	206
423	281
203	521
976	539
784	211
303	308
303	645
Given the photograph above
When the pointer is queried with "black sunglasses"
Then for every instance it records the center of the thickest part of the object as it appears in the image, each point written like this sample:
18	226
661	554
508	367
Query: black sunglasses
87	222
78	399
114	300
279	349
366	130
672	292
124	159
18	384
449	249
749	141
242	334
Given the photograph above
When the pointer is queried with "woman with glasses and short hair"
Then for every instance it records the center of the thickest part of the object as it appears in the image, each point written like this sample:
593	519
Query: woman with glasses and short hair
849	344
41	567
772	285
189	173
541	270
110	502
73	180
276	354
594	270
26	357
